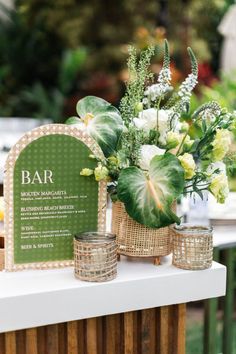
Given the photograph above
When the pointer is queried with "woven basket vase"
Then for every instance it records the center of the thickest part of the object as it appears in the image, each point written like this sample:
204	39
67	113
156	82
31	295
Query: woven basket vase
136	240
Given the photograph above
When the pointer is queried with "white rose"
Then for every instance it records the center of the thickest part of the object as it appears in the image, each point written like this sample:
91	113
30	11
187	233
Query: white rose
147	153
163	124
147	119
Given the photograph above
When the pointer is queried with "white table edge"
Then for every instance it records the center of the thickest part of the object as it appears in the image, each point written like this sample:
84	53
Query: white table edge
36	298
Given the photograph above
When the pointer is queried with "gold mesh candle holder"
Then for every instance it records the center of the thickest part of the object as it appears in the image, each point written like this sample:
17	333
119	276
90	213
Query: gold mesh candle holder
192	247
95	256
136	240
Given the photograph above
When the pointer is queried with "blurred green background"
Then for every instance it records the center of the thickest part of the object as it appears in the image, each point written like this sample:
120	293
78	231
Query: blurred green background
54	52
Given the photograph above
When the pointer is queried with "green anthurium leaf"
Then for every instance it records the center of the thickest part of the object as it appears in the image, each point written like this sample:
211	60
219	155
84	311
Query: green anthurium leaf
148	196
94	105
101	120
106	129
73	120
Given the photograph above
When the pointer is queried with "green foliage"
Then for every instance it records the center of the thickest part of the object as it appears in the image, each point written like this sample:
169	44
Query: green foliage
139	74
36	73
193	60
148	196
222	91
101	120
73	61
207	109
35	102
130	144
26	54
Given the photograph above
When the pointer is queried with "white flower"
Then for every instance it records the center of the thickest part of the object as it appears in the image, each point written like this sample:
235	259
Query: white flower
188	142
183	127
158	90
147	153
188	165
187	86
216	166
221	144
173	139
219	187
147	119
163	124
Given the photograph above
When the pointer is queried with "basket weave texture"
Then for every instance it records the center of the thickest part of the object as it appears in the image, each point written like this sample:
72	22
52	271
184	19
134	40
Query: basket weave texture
136	240
192	251
95	262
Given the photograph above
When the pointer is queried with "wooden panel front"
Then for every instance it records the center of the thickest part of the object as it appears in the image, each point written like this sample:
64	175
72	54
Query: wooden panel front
151	331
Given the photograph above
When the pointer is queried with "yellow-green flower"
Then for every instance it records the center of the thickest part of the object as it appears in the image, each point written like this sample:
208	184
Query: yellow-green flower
101	172
91	156
172	139
221	144
188	142
188	165
184	127
138	107
86	172
113	160
1	209
219	187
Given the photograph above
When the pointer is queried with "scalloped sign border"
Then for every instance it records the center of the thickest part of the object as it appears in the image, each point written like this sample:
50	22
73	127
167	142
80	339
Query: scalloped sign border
26	140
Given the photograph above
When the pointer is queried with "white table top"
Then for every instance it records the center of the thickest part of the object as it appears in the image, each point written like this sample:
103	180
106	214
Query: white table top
224	236
36	298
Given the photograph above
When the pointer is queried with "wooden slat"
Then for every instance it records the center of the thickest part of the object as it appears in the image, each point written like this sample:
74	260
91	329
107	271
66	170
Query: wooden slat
113	343
21	342
31	341
129	333
164	333
91	336
171	328
52	339
179	323
72	339
81	336
10	343
101	334
136	327
41	339
158	330
2	343
148	331
62	338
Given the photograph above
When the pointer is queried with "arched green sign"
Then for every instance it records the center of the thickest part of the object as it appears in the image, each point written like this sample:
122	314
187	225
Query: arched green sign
47	199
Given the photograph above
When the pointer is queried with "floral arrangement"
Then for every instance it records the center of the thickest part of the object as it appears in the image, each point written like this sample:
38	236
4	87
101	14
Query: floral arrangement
150	158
